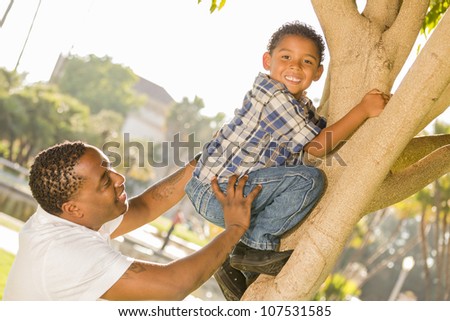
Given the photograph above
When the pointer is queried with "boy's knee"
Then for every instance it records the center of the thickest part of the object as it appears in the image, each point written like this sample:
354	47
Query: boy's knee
317	175
319	178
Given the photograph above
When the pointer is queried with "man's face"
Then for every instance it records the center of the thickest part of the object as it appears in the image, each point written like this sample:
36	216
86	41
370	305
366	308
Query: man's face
295	63
101	196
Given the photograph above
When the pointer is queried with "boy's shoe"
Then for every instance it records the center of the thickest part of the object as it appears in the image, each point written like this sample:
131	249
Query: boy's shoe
251	277
245	258
232	282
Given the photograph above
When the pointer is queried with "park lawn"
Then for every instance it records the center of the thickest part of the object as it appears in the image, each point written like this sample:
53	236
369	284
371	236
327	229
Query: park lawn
6	261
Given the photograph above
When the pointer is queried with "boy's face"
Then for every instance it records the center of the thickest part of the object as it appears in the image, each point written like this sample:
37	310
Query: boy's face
295	63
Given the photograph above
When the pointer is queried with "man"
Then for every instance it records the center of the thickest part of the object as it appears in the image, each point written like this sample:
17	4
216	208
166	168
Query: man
64	251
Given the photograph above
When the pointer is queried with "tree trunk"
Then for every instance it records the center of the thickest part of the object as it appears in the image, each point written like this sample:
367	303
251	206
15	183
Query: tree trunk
367	51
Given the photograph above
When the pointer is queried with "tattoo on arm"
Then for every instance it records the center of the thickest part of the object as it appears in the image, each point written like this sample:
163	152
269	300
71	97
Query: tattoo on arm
135	267
166	188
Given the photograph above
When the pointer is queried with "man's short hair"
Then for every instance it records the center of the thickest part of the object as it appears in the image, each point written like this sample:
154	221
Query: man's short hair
53	180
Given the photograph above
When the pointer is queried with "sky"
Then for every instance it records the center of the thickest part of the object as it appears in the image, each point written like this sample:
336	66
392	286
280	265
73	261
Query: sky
176	44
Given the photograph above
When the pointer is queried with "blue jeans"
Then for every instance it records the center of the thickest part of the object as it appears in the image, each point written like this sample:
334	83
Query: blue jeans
287	196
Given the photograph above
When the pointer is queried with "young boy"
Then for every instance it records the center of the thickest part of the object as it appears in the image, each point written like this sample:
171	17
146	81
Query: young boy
266	141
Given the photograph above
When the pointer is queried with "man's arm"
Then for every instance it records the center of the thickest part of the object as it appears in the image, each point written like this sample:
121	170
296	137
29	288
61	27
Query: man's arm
155	200
174	281
371	105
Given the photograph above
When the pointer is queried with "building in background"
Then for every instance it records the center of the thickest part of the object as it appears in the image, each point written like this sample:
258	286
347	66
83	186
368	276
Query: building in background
149	121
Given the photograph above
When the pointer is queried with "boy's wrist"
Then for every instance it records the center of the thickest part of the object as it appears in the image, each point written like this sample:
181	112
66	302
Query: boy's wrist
361	111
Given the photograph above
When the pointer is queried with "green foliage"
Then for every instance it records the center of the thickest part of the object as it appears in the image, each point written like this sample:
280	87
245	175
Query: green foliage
6	261
99	83
40	115
214	5
104	126
186	118
359	232
435	12
36	116
10	80
337	288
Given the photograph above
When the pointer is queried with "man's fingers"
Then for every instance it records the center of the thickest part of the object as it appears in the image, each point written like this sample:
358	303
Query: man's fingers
234	189
255	191
240	189
231	185
241	184
217	191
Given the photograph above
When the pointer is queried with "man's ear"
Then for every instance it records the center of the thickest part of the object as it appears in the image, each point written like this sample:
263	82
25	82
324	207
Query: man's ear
319	73
266	60
71	209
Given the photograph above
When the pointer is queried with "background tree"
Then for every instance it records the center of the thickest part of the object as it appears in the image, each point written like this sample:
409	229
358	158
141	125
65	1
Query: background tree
104	126
87	100
436	11
186	119
36	116
99	83
368	49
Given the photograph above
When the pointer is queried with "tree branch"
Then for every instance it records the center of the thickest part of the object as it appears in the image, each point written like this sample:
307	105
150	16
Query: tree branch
383	13
344	11
399	36
324	101
418	148
438	108
400	185
370	152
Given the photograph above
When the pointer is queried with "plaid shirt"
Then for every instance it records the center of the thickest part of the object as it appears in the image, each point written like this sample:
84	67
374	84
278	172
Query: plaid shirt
270	129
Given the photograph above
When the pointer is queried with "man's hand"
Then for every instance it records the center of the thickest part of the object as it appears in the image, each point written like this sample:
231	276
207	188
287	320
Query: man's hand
236	206
175	280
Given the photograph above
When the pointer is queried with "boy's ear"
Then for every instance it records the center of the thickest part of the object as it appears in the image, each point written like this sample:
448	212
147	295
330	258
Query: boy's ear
71	209
319	73
266	60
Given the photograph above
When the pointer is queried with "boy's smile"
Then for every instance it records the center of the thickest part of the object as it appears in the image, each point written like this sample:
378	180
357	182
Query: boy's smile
294	62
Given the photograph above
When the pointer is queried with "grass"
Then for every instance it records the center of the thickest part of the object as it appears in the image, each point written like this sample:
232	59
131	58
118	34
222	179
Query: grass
6	261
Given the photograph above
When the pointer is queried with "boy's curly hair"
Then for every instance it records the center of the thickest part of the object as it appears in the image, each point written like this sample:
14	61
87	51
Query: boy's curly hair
52	177
299	29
